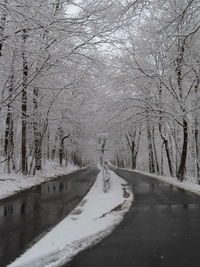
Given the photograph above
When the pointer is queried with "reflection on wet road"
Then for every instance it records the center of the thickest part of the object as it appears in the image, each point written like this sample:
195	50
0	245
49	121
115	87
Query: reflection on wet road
27	215
161	230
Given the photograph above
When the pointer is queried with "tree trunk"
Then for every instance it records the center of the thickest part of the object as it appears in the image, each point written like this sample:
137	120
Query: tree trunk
166	143
9	142
9	132
133	140
177	153
162	160
167	150
179	66
2	26
48	144
182	167
196	134
53	152
61	151
37	133
133	159
66	157
117	159
24	106
196	128
62	147
155	152
150	150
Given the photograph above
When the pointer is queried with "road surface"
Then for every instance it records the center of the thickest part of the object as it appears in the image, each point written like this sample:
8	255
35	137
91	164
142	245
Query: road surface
162	229
28	215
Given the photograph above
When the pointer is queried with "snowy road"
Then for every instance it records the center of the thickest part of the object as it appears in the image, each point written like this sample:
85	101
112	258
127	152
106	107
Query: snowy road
161	230
26	215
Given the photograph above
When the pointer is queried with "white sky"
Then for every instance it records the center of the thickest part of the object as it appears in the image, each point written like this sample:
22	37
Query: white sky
72	9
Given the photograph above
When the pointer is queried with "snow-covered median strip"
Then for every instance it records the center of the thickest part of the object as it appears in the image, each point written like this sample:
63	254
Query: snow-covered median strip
12	183
185	185
94	218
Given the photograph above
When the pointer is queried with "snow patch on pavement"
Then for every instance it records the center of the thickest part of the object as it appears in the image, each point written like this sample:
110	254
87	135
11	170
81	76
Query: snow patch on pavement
93	219
13	183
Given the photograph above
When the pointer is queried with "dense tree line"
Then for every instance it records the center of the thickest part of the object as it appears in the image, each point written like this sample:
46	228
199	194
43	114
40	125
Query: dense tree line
158	82
47	49
72	69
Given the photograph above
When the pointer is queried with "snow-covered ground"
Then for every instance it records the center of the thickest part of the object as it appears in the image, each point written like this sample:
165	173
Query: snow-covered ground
93	219
188	184
12	183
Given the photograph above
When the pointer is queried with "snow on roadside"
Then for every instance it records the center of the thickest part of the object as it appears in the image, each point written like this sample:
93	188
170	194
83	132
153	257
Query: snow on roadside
13	183
187	185
94	218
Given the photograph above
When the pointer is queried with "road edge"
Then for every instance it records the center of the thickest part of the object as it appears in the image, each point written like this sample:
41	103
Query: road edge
61	256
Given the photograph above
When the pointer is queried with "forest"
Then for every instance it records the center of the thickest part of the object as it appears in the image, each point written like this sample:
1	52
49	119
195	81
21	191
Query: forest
70	69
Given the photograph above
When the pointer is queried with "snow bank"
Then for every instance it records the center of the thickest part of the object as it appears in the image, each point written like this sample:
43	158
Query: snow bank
13	183
93	219
188	185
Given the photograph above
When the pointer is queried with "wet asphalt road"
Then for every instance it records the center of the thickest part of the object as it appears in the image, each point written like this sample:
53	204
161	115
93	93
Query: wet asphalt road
27	215
162	229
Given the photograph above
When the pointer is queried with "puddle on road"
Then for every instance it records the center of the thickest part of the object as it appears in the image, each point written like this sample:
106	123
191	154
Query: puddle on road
161	196
176	207
31	203
27	215
145	187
